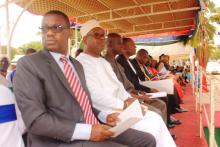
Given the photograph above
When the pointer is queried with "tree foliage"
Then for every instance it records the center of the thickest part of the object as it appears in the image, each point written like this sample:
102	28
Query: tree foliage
215	17
14	51
215	53
79	41
37	45
203	39
22	49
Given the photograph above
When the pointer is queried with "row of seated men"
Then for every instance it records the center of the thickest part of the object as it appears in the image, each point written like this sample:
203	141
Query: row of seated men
131	71
67	102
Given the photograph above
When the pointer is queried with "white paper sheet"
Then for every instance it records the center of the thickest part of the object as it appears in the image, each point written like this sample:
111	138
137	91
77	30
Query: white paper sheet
131	115
161	85
157	94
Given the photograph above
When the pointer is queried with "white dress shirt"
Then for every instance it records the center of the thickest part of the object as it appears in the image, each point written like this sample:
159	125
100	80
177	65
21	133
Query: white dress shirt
163	70
82	131
107	92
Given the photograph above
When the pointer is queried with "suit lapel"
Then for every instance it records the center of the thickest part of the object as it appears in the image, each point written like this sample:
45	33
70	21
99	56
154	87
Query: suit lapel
56	69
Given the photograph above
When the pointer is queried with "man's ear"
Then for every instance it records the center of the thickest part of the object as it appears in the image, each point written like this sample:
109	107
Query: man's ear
108	43
84	39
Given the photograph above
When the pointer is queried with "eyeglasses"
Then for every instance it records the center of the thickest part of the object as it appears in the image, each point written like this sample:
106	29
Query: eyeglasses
98	35
54	29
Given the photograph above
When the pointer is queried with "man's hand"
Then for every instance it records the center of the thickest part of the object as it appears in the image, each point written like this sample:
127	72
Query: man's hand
141	93
128	102
112	119
134	91
153	90
100	133
145	98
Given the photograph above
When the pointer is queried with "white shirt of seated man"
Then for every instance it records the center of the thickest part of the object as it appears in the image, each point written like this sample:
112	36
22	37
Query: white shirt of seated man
11	124
108	94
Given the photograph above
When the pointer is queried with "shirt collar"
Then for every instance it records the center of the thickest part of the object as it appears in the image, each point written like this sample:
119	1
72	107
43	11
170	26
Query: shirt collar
57	56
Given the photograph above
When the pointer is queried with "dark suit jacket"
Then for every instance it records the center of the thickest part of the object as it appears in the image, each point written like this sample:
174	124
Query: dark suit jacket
47	103
119	71
130	74
140	73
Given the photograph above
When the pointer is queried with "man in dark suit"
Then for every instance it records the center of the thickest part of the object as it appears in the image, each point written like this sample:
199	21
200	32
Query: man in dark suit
51	91
139	65
114	44
131	74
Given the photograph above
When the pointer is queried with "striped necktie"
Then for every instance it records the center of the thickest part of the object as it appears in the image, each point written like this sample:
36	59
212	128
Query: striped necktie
79	92
146	76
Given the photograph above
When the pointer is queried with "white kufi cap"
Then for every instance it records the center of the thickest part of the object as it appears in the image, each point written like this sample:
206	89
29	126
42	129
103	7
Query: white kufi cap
88	26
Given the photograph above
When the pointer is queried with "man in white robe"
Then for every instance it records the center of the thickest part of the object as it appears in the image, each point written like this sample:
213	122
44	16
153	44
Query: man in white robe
107	92
11	123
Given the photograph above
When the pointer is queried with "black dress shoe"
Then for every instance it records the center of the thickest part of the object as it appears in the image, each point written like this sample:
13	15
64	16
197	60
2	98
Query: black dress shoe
180	110
174	137
170	126
175	122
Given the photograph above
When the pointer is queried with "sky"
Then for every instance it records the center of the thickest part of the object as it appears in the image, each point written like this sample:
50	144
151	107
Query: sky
26	29
28	26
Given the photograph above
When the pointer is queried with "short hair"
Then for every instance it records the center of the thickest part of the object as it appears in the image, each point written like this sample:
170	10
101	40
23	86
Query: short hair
141	51
57	12
167	56
4	61
161	56
126	40
30	51
113	35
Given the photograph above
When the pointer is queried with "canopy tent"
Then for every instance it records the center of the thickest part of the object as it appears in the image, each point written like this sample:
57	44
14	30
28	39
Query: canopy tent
127	17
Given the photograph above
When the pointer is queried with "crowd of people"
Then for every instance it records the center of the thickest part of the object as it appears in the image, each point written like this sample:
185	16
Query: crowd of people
71	102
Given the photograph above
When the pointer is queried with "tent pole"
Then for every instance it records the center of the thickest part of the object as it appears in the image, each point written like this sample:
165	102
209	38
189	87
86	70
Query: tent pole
212	114
76	34
17	20
7	28
200	98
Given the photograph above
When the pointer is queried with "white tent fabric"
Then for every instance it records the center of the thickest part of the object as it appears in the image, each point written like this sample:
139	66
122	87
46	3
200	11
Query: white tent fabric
176	50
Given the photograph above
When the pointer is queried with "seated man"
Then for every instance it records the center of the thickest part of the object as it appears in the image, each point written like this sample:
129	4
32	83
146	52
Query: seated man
107	92
114	44
11	123
12	74
55	103
151	63
130	72
139	64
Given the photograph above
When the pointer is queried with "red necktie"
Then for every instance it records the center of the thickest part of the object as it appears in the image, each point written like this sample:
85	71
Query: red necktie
79	93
